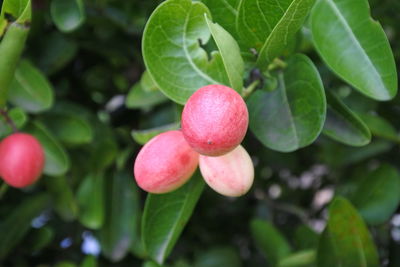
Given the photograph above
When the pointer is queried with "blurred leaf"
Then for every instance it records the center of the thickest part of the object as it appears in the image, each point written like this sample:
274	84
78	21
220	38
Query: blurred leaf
143	136
89	261
343	125
147	83
63	198
14	227
172	48
377	196
150	264
269	240
122	217
346	241
291	116
305	238
57	161
67	15
139	98
18	116
217	257
166	215
39	239
380	127
90	197
346	38
30	89
65	264
304	258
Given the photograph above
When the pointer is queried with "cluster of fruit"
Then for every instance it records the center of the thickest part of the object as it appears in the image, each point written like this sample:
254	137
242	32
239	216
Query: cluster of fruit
214	123
21	160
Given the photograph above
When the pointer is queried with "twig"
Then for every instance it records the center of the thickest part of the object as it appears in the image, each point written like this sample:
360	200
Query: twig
249	89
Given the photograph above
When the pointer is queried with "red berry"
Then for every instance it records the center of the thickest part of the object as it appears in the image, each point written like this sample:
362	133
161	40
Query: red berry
165	163
21	160
215	120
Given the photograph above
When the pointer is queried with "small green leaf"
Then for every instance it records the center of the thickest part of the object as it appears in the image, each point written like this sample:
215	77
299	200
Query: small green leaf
346	241
143	136
122	217
291	116
303	258
67	15
14	227
166	215
378	195
380	127
91	201
139	98
354	46
57	161
343	125
269	240
30	89
19	118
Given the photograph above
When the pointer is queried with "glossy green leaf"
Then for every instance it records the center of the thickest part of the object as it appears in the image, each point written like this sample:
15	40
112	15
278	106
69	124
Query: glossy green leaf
166	215
380	127
303	258
343	125
377	196
173	54
18	116
91	201
346	241
143	136
57	161
354	46
14	227
139	98
63	197
217	257
291	116
122	214
67	15
30	89
269	240
268	26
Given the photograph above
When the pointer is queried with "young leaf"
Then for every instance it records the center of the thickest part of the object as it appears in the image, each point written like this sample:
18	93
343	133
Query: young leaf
173	54
291	116
378	195
166	215
143	136
269	240
343	125
67	15
380	127
346	241
30	89
354	46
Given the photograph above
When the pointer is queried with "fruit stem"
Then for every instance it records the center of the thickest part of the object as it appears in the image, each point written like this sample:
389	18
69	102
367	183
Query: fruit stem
249	89
277	64
9	121
3	189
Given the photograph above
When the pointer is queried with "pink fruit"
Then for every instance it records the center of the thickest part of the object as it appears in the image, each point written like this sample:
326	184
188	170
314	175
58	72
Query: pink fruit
21	160
165	163
215	120
231	174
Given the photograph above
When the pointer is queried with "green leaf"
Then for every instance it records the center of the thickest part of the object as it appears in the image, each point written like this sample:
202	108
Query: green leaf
380	127
269	240
305	238
354	46
14	227
89	261
63	199
39	239
90	197
67	15
166	215
269	26
139	98
343	125
30	89
346	241
147	83
217	257
57	161
304	258
122	217
173	54
19	10
19	118
378	195
143	136
291	116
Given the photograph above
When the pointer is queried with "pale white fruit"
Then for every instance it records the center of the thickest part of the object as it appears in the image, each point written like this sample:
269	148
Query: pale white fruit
231	174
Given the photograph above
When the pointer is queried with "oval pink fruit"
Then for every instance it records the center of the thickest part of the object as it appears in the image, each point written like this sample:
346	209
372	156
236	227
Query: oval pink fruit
21	160
215	120
165	163
231	174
